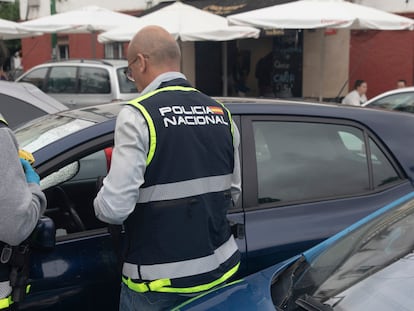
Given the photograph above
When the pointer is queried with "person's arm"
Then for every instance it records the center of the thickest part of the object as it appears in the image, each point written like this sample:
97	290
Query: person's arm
236	178
22	202
118	196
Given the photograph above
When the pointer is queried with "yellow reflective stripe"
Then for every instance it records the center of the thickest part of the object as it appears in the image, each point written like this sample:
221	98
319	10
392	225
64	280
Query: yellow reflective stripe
151	128
152	133
229	115
163	89
4	121
5	302
160	285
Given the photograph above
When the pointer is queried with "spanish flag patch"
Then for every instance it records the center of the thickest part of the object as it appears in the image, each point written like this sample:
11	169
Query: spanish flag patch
216	110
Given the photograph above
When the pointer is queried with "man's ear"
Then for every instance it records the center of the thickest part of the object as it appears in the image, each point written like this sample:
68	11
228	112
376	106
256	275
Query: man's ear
142	65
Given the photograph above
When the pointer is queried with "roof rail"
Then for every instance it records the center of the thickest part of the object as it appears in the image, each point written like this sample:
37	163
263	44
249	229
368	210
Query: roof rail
81	60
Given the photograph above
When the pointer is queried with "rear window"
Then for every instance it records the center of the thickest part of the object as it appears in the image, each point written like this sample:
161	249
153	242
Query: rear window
94	81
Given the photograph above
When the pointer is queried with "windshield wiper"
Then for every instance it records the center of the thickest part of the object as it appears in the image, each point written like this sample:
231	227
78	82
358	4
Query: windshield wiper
309	303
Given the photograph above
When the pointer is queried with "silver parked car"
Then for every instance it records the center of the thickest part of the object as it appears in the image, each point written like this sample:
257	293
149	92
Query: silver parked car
83	82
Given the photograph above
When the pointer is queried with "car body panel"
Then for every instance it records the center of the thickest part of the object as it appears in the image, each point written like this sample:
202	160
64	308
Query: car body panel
257	291
266	233
22	102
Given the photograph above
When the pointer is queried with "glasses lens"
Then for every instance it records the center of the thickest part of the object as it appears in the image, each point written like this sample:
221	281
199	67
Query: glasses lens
128	74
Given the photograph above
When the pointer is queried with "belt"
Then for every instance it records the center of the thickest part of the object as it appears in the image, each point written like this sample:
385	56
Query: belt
5	302
163	285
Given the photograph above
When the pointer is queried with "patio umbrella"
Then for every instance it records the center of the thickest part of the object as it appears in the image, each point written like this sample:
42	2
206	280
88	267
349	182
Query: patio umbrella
89	19
185	23
84	20
311	14
13	30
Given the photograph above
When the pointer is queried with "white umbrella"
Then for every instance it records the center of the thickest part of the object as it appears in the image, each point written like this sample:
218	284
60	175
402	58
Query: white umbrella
13	30
88	19
311	14
184	22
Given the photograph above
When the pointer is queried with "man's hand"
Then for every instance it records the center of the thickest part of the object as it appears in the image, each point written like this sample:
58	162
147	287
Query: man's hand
31	175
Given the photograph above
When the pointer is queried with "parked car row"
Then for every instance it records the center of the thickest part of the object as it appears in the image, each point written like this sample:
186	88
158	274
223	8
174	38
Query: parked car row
308	171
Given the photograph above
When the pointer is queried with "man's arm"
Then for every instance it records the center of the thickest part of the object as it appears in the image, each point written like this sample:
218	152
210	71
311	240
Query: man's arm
119	193
21	203
236	178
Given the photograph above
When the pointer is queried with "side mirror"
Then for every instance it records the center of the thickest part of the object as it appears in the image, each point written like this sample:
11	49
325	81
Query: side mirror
43	236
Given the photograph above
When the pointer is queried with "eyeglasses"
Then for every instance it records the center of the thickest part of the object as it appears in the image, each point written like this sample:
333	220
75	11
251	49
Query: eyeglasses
128	70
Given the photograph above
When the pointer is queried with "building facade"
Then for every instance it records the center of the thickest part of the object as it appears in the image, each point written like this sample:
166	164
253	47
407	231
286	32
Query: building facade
307	63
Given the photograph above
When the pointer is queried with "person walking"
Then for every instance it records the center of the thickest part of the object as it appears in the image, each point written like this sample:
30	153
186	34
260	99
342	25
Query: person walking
358	96
174	174
21	203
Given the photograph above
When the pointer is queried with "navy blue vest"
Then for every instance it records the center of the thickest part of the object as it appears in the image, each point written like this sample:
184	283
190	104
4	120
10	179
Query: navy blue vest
193	141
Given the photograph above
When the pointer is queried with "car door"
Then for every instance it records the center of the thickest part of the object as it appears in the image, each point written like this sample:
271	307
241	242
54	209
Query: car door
82	271
305	179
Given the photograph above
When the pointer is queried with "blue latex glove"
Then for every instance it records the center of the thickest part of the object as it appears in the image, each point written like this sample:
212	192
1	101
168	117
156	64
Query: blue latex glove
31	175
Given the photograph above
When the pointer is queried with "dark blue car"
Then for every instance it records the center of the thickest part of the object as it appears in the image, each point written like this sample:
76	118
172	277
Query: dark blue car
308	171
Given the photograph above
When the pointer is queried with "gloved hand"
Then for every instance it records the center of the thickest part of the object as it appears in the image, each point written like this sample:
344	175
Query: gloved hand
31	175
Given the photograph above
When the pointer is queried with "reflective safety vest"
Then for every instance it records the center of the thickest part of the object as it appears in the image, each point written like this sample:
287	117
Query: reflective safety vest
178	237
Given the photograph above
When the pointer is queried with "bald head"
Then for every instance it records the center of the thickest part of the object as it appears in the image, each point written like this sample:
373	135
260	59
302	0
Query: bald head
162	49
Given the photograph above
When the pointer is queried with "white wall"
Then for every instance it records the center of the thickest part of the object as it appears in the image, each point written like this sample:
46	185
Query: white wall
394	6
325	63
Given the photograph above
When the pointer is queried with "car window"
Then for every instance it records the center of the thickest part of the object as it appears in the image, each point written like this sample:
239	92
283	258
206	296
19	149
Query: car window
9	105
125	85
62	79
400	102
94	80
70	192
383	172
304	161
36	77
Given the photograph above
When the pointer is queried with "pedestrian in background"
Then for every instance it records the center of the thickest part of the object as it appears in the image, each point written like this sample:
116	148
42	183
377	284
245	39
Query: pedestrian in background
358	96
21	204
401	84
174	174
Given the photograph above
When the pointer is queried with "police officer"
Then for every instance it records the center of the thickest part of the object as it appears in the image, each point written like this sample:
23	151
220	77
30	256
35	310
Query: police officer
21	205
175	172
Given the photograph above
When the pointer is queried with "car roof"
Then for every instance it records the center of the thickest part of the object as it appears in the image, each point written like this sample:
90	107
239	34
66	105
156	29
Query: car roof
82	61
31	94
394	128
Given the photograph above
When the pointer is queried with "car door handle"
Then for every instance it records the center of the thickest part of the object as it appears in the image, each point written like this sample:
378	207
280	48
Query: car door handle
237	230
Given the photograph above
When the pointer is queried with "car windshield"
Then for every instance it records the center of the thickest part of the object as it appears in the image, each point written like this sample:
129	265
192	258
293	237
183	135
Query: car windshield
363	270
35	135
400	102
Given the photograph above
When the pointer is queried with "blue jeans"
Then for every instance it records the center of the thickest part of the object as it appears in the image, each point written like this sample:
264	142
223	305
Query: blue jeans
149	301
